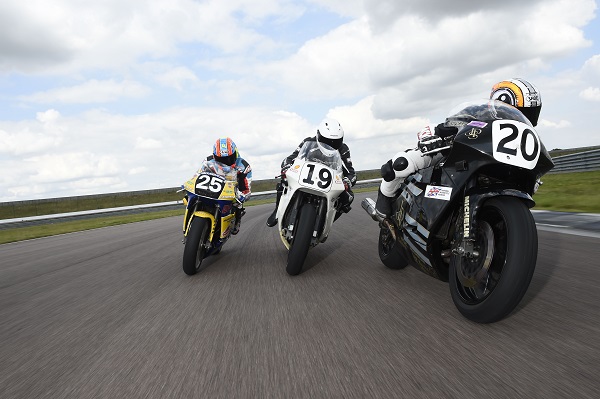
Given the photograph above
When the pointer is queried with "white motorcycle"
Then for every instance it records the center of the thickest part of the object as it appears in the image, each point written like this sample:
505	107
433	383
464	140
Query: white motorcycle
310	201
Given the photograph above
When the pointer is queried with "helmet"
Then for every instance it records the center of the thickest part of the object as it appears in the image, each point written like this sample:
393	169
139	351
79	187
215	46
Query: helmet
520	94
225	151
330	132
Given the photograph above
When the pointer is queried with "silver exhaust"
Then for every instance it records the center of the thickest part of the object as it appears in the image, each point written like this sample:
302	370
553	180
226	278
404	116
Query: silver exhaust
369	206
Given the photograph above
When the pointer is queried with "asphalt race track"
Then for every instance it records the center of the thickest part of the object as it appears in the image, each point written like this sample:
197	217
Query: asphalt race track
109	313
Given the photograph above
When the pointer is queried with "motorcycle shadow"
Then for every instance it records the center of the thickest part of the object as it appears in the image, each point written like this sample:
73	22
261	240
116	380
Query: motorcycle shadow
319	256
545	268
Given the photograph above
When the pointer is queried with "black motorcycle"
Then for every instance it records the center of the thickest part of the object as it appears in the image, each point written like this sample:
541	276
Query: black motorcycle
466	218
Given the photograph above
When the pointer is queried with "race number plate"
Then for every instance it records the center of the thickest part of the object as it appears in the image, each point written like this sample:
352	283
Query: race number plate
515	143
316	176
209	185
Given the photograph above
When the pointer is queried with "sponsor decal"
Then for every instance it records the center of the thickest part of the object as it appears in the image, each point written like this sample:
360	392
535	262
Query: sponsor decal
477	124
294	169
467	219
473	134
455	123
438	192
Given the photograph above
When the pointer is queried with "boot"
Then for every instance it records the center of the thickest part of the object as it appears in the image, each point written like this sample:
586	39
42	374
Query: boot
383	205
272	220
239	212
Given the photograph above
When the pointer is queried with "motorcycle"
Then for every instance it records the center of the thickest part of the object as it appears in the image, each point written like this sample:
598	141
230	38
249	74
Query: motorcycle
466	219
310	201
211	195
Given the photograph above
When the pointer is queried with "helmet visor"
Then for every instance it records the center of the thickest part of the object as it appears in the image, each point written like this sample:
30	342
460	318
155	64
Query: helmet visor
532	113
228	160
333	143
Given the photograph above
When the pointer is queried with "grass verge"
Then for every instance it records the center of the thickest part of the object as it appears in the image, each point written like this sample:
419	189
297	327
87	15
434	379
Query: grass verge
564	192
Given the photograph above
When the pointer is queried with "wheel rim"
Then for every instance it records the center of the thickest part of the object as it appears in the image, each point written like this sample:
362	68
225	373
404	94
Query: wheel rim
477	278
387	241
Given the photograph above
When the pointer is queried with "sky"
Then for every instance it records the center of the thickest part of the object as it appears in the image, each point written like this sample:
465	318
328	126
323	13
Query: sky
109	96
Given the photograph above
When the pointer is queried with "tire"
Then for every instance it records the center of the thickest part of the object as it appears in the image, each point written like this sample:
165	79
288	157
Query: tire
389	253
493	285
301	241
194	250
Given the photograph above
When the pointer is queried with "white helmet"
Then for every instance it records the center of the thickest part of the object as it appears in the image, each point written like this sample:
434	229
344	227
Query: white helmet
330	132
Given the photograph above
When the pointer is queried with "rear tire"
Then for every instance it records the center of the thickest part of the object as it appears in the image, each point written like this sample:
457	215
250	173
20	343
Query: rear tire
301	241
194	250
493	284
389	253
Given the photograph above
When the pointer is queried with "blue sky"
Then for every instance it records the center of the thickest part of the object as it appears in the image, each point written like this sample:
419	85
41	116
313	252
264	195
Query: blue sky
109	96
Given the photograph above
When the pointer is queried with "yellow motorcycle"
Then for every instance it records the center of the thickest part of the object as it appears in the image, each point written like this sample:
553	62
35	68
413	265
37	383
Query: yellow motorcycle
210	201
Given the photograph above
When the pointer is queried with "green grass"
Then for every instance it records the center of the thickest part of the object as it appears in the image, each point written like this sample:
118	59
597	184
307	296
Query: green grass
45	230
565	192
570	192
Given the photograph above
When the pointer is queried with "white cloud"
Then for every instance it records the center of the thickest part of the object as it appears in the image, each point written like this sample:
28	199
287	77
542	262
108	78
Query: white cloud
177	78
172	76
544	123
70	166
147	144
93	91
591	94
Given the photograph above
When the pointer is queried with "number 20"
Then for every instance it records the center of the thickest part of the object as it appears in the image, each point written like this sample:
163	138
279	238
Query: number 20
523	145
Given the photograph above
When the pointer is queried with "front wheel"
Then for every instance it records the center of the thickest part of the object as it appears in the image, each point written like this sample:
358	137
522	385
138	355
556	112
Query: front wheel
488	287
195	245
302	238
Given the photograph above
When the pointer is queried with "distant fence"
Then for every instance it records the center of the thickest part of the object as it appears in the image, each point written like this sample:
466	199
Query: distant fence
576	162
579	162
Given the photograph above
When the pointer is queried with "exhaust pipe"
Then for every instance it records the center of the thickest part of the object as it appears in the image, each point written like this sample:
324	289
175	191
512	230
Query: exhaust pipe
369	206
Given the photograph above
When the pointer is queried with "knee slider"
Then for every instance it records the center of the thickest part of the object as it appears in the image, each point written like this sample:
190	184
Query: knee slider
400	163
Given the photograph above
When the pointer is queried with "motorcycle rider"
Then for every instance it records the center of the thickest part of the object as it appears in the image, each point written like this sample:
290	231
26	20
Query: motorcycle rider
516	92
225	152
329	132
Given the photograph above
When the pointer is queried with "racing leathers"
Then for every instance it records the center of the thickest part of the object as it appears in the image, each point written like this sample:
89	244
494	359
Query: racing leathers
244	180
431	139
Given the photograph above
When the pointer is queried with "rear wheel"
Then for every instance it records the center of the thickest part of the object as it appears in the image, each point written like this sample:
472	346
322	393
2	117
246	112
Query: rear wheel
389	253
195	248
302	238
488	287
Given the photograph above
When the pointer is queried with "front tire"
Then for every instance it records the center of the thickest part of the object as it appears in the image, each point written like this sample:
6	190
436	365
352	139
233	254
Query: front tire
301	241
195	248
389	253
489	287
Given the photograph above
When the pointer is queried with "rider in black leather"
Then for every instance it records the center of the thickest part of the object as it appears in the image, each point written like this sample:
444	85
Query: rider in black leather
329	132
517	92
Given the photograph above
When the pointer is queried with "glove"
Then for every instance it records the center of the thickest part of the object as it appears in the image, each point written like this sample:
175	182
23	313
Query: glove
284	169
347	183
430	143
241	180
445	131
352	179
387	171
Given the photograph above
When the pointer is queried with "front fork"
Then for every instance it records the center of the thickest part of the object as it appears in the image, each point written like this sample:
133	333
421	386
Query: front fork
467	246
472	204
